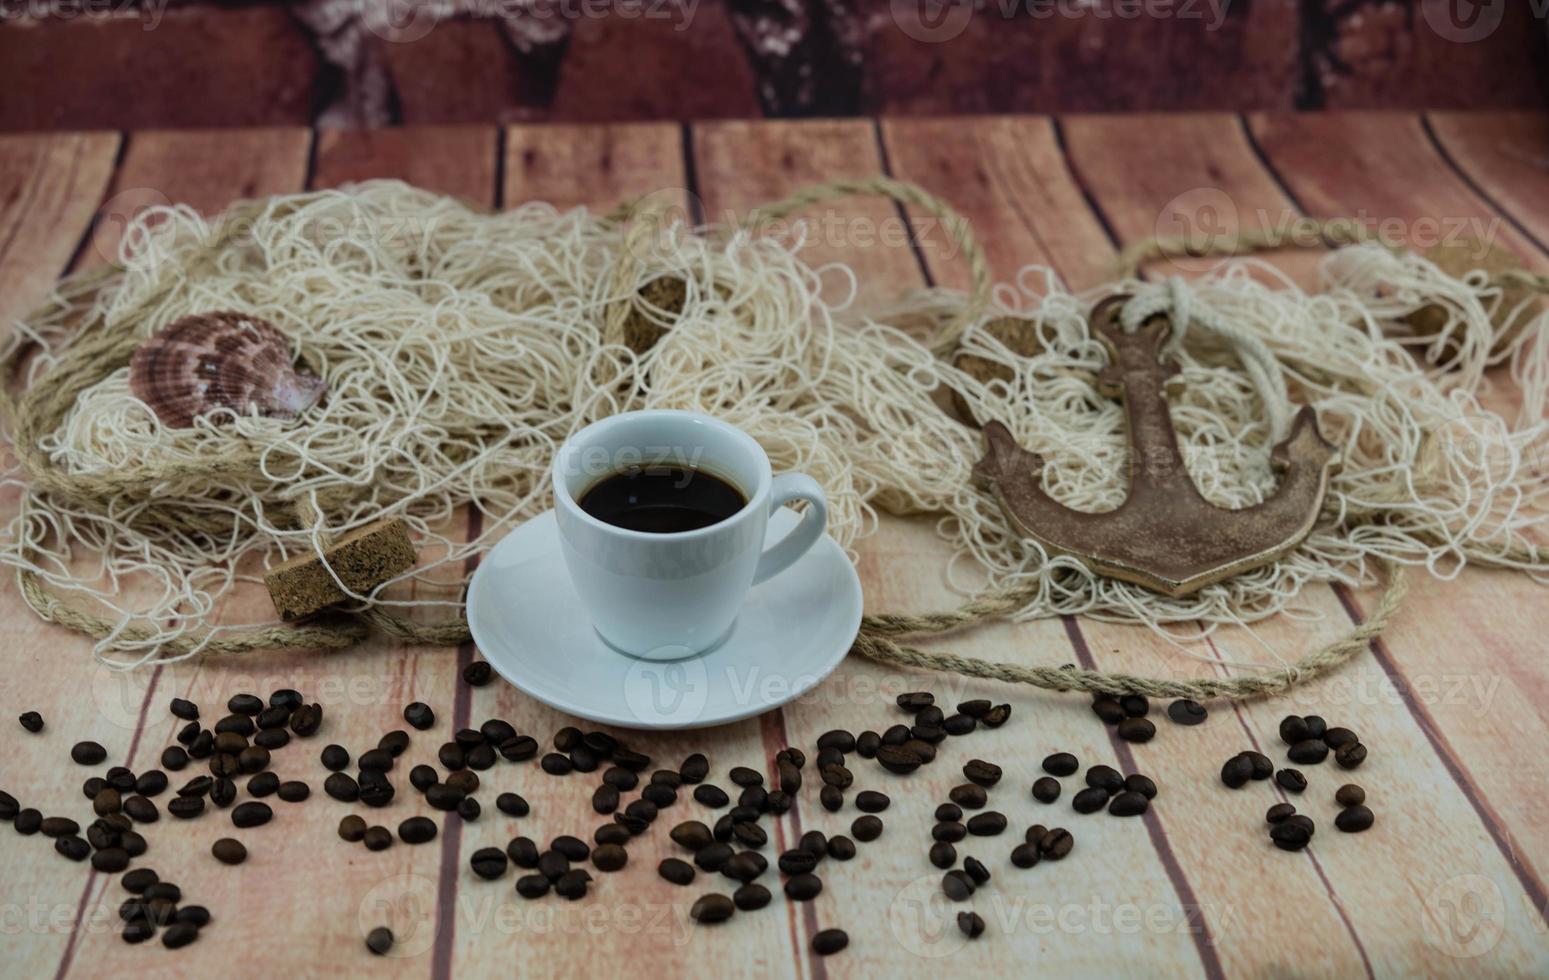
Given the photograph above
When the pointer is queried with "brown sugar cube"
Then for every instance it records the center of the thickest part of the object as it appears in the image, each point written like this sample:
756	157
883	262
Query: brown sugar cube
363	559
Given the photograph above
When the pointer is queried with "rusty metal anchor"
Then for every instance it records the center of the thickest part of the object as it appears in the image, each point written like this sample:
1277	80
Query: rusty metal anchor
1165	535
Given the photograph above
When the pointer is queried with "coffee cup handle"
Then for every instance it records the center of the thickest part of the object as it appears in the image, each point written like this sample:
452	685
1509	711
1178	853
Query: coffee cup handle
786	488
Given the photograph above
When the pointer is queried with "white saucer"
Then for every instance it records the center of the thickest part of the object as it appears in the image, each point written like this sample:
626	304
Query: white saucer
528	622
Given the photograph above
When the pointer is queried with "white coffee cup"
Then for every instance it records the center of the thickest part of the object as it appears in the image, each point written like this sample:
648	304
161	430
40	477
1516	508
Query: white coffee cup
668	596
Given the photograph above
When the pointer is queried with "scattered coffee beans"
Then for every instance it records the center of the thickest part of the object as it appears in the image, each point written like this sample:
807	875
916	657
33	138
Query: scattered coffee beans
380	940
88	753
417	830
1354	819
712	908
32	721
1186	712
676	871
1061	764
981	772
751	897
352	828
867	828
1350	795
1278	812
830	941
1291	780
803	887
970	924
228	850
478	673
488	863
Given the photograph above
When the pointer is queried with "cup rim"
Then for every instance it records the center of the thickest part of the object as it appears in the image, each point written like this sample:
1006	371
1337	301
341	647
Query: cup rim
756	498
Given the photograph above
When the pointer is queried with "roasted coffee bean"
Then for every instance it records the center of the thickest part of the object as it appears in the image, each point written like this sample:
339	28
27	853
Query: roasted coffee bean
930	717
92	786
273	719
930	734
254	759
1025	855
803	887
532	886
744	866
423	777
968	796
8	806
957	886
120	778
711	857
518	749
959	724
552	865
1089	800
832	798
352	828
1061	764
294	791
1316	726
417	830
1055	844
895	735
677	871
342	786
107	801
1336	737
605	799
998	716
184	709
1291	780
497	730
380	940
943	855
286	698
837	775
77	849
1350	755
138	880
1187	712
1294	729
1136	783
152	782
164	891
179	934
609	857
88	753
866	744
573	848
173	757
711	909
306	720
28	820
1278	812
132	842
754	797
631	760
203	746
245	704
611	833
828	757
916	701
600	743
751	897
696	767
32	721
643	810
1136	730
948	830
186	807
1263	768
623	780
1135	705
711	796
897	759
633	824
970	924
194	915
1289	836
830	941
141	810
750	834
949	812
1350	795
798	860
841	848
377	838
1236	771
223	764
692	834
1129	804
230	743
478	673
1108	709
59	827
1046	790
1308	752
976	870
488	863
1354	819
1105	778
555	764
482	757
375	790
986	824
866	829
567	738
871	801
443	797
240	726
469	809
981	772
138	931
465	781
251	814
188	733
228	850
523	852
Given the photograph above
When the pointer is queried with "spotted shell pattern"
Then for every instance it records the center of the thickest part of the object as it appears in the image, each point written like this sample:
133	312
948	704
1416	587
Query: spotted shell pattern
225	360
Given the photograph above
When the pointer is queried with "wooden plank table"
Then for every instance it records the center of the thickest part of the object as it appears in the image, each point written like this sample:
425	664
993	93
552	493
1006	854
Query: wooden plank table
1451	700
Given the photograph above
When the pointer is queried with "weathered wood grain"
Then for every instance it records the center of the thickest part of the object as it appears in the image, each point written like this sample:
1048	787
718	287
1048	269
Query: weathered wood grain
1359	695
1505	155
456	160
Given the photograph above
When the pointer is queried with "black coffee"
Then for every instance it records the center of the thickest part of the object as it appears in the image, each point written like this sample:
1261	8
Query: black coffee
662	499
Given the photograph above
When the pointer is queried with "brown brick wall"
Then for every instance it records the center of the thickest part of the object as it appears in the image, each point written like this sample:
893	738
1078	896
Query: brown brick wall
139	63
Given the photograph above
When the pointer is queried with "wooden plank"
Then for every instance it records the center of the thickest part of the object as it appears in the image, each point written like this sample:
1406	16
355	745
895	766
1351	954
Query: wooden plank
1009	173
1504	155
1361	906
456	160
621	162
165	167
741	166
52	184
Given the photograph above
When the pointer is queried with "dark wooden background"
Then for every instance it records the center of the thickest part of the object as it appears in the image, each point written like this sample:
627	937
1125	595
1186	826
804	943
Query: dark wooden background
131	64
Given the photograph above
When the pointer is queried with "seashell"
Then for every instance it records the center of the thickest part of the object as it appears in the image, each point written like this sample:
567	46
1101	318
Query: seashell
225	360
